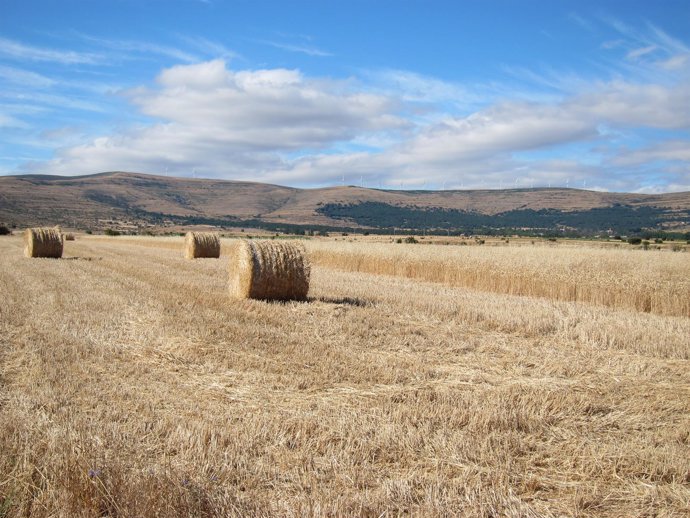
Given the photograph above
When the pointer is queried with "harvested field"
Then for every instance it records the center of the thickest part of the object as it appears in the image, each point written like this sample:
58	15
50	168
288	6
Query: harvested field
125	391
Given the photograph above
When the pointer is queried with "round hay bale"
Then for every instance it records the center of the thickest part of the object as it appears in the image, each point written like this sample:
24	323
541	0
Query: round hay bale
269	270
43	242
201	244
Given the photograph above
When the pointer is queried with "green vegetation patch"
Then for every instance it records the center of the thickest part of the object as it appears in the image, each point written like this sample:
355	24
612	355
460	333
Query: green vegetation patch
618	218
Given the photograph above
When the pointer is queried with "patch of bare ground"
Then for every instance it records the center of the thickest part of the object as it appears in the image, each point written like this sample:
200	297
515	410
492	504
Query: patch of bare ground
131	385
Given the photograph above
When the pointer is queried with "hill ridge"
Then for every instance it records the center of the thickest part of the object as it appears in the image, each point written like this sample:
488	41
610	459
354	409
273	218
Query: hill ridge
144	199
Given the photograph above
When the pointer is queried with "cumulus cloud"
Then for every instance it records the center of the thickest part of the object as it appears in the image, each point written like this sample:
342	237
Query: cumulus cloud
229	122
274	109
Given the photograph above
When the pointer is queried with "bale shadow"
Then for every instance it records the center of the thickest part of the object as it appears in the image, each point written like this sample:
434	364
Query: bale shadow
337	301
82	258
347	301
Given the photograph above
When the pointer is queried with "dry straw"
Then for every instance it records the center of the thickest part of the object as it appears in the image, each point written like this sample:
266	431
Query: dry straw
201	244
269	270
43	242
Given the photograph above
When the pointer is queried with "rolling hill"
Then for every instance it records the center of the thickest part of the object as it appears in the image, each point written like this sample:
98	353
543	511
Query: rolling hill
140	200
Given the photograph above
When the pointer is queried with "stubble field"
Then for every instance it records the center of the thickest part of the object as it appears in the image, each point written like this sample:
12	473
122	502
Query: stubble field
131	385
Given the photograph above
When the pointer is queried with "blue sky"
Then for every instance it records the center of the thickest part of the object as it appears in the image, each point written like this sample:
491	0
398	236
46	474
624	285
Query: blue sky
393	94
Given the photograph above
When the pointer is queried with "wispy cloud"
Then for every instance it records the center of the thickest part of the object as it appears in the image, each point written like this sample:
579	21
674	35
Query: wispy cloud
210	48
643	51
297	47
581	21
7	121
25	77
16	50
142	47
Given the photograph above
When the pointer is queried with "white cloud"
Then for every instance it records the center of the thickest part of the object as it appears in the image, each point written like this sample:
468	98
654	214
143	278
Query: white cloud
273	109
623	103
230	123
672	150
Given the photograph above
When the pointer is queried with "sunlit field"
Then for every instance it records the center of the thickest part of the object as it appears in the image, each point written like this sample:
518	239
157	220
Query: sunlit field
428	380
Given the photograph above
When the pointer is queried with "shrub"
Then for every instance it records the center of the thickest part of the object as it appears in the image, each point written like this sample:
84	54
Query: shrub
4	231
634	240
411	240
645	244
111	232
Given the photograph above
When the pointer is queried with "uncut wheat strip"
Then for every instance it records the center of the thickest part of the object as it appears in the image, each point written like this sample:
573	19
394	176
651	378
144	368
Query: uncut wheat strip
637	282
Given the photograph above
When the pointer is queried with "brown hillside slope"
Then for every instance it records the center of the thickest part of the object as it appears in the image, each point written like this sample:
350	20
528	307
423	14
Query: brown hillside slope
79	200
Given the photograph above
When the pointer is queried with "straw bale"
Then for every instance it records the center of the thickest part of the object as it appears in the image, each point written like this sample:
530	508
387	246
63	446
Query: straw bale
269	270
43	242
201	244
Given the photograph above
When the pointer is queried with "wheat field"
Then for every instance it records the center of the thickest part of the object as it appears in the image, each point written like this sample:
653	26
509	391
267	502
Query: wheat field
132	385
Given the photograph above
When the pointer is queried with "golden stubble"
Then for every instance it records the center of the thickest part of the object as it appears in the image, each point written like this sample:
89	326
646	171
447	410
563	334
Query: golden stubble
130	390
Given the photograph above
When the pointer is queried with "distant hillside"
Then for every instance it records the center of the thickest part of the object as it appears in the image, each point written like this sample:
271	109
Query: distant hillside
101	200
